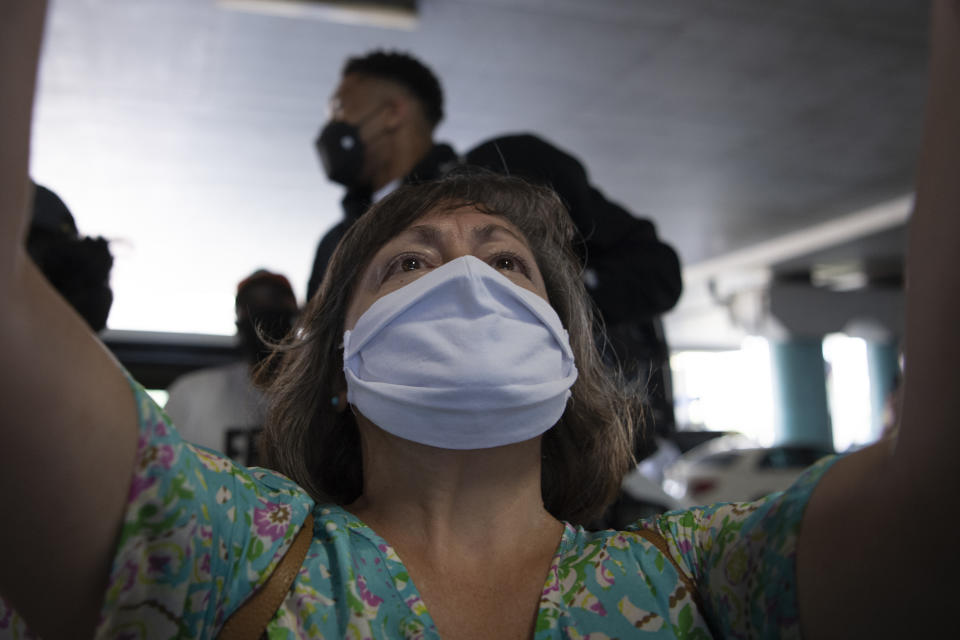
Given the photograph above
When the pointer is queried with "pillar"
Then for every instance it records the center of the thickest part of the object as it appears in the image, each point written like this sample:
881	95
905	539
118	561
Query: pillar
883	365
800	392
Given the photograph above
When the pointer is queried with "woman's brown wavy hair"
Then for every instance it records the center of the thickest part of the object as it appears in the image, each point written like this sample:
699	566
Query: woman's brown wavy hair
584	455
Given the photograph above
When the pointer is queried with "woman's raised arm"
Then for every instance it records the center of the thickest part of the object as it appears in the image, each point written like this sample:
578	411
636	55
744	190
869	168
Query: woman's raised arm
877	553
67	413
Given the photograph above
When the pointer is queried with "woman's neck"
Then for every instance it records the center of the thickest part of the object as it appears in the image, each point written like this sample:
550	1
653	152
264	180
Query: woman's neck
448	502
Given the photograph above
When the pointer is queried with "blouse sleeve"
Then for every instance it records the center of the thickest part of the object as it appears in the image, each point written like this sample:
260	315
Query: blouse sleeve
741	558
200	534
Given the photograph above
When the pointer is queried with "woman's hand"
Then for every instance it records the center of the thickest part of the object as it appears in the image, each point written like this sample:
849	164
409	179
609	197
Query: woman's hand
67	413
877	553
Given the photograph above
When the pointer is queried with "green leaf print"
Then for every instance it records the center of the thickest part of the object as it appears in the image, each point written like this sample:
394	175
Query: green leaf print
179	488
255	550
546	619
685	620
684	628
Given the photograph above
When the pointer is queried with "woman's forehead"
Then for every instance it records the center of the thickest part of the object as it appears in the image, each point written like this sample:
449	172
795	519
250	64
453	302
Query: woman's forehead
466	217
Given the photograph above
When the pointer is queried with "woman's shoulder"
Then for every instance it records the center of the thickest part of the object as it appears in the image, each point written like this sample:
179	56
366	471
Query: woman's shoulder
725	566
740	557
199	535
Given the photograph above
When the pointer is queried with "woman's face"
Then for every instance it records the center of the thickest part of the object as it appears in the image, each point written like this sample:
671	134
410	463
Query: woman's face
436	239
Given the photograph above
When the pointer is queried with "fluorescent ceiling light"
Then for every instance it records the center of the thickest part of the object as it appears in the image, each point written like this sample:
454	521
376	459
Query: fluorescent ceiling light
388	14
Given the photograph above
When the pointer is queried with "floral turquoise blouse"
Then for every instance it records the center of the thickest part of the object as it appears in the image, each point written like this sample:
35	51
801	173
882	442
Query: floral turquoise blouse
201	534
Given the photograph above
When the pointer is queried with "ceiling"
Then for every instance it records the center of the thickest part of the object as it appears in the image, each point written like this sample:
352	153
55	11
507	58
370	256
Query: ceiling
182	127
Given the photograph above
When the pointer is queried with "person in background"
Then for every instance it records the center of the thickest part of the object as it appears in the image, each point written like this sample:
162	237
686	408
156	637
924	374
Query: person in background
221	407
77	266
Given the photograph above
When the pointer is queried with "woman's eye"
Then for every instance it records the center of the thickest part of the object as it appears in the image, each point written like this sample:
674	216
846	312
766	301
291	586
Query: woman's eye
411	264
401	265
506	263
510	262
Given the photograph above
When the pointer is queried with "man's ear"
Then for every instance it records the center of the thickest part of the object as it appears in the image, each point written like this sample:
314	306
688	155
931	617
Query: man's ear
396	111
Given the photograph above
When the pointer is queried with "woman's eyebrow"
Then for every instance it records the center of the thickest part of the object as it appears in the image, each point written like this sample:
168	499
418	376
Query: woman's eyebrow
432	236
486	232
424	234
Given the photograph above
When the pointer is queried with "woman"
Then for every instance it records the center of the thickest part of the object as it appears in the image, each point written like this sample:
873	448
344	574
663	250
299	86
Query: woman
438	511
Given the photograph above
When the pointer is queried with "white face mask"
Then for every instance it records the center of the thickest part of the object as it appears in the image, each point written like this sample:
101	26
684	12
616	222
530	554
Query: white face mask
460	358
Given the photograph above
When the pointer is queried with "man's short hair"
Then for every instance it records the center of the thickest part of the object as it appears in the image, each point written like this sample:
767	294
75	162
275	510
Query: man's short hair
406	71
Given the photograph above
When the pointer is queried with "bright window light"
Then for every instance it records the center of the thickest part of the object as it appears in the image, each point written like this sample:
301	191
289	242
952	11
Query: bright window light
159	396
725	390
848	390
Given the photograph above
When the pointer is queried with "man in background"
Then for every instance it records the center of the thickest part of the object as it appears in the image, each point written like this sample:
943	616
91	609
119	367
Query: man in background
220	407
379	136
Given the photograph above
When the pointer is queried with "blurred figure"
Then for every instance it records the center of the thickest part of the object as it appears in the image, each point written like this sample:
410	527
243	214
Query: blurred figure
77	266
220	407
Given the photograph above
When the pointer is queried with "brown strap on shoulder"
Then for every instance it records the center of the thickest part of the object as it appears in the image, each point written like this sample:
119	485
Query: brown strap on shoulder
658	541
250	620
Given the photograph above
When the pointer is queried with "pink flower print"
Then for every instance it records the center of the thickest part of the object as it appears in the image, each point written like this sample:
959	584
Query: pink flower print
272	521
553	586
130	569
685	546
365	595
159	454
157	564
142	443
161	428
138	485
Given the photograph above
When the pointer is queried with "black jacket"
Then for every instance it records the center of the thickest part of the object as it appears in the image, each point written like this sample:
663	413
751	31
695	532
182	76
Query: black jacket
631	274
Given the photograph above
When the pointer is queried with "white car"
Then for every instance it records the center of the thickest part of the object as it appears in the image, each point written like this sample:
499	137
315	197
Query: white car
735	469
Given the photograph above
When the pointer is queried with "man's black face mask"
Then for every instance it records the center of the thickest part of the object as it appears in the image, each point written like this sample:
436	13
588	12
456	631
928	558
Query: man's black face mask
341	152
